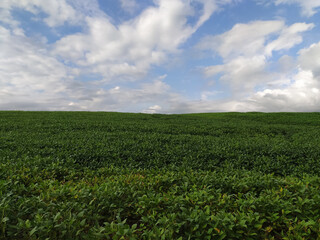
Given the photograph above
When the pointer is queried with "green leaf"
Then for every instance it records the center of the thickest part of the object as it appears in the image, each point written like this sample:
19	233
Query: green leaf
33	231
57	216
81	214
28	223
83	222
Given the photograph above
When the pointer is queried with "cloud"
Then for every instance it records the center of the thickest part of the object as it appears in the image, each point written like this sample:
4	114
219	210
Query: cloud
309	59
301	94
250	39
243	39
31	78
87	8
289	37
246	50
304	92
249	71
206	95
58	12
153	109
209	6
187	106
133	46
146	97
241	74
129	5
36	75
309	7
28	73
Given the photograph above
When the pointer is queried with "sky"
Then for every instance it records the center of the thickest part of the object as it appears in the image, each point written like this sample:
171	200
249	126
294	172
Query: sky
160	56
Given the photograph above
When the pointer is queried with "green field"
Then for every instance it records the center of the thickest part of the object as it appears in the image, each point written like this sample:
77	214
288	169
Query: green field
80	175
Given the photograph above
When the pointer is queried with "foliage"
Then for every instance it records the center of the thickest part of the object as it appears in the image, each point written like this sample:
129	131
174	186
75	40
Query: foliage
135	176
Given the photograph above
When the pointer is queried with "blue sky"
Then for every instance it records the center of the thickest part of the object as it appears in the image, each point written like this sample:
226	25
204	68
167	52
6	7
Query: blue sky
160	56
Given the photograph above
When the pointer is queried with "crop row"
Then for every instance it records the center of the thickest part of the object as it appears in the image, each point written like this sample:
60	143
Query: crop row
136	176
58	202
254	142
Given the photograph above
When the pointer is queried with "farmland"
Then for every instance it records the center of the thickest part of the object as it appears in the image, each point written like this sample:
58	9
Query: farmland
80	175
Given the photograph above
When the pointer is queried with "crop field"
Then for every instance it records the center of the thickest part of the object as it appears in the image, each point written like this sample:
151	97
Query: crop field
80	175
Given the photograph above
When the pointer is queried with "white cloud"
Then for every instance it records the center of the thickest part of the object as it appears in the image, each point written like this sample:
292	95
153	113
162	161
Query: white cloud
243	39
35	75
309	7
129	5
288	38
241	74
147	97
246	50
87	8
185	106
286	63
207	95
29	74
209	6
309	59
302	95
133	46
250	39
58	11
153	109
32	79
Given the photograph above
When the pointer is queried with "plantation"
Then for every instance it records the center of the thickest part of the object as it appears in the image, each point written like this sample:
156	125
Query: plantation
79	175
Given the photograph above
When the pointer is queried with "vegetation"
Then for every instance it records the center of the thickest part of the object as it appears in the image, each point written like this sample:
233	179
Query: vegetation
85	175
